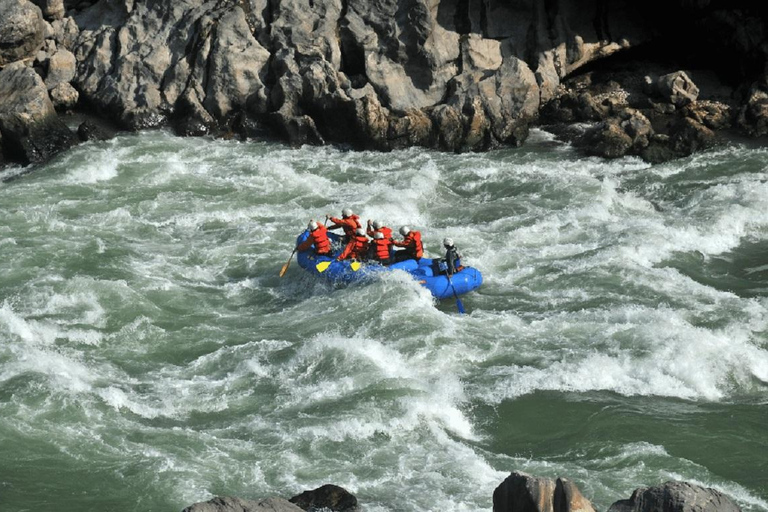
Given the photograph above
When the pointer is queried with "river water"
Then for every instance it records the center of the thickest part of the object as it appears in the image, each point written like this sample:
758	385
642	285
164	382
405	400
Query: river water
151	357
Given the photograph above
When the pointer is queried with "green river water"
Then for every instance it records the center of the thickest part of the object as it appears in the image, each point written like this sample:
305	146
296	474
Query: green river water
151	357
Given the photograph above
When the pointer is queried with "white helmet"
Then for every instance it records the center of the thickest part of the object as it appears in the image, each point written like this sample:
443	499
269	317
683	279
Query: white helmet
312	225
378	235
377	224
346	212
405	230
360	231
448	242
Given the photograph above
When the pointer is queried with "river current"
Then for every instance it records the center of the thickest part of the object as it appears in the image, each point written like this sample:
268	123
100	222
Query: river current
151	357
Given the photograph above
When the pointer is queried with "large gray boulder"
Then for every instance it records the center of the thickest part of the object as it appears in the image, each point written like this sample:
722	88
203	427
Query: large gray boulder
521	492
676	497
228	504
30	128
22	30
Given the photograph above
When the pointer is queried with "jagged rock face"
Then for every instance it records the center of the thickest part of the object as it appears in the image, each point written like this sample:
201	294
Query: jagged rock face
22	30
369	73
454	74
136	60
30	129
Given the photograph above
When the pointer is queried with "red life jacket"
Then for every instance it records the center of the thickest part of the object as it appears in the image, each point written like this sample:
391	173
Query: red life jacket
320	239
348	224
384	230
382	248
412	244
357	248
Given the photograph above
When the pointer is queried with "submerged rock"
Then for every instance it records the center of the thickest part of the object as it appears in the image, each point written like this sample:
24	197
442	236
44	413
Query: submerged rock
676	497
227	504
329	497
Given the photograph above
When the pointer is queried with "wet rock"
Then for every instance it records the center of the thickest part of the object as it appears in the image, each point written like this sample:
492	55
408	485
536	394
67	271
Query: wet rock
677	88
521	492
64	96
227	504
676	497
22	30
753	116
688	136
329	497
607	139
31	130
88	130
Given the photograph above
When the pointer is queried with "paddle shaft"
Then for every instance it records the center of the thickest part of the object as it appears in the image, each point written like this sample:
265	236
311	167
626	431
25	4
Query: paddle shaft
285	267
459	305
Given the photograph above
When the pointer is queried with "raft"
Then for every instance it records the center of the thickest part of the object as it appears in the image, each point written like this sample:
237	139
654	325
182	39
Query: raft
350	271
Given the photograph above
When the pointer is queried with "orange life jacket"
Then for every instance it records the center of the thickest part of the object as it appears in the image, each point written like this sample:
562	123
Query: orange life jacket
357	248
384	230
412	244
319	237
381	246
349	224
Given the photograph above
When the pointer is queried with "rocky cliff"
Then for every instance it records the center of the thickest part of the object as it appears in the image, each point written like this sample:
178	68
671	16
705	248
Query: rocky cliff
450	74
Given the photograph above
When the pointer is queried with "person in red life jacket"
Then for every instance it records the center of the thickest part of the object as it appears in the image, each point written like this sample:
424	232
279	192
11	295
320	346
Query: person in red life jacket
318	236
414	249
380	247
357	248
378	226
349	222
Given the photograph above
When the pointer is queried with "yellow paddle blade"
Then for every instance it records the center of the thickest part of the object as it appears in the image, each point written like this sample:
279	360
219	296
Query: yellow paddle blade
282	270
355	266
322	266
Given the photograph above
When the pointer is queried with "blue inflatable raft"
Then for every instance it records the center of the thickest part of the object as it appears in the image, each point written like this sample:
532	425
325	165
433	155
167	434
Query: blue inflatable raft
349	271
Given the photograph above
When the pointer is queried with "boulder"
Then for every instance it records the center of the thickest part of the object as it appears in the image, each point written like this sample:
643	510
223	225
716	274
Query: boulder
64	96
677	88
61	68
688	136
521	492
326	498
676	497
52	9
227	504
607	139
31	130
22	30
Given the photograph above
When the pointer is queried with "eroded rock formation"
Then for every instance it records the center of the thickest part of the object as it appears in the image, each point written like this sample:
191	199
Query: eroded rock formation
451	74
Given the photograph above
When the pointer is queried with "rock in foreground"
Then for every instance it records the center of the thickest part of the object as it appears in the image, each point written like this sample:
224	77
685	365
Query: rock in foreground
676	497
521	492
228	504
328	497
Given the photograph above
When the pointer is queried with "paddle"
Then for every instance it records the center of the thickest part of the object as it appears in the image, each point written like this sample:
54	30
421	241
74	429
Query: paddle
459	305
285	267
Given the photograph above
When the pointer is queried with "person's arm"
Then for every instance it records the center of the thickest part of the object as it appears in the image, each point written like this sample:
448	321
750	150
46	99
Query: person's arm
306	244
